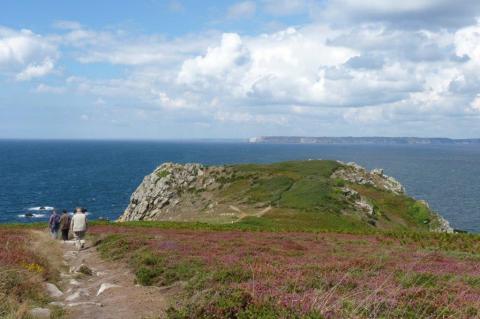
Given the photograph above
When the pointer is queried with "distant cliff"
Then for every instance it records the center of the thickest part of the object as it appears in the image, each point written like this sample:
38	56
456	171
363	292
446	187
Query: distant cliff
359	140
310	194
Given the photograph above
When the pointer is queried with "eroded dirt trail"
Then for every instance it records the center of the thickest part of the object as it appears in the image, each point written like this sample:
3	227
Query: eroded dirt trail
108	292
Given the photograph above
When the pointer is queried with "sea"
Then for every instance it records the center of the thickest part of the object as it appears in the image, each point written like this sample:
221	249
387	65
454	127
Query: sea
37	175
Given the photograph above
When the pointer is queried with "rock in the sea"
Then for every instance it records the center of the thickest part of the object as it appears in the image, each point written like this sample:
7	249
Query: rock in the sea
40	313
53	290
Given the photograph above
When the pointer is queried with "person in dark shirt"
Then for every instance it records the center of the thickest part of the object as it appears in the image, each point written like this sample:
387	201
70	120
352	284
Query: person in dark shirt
54	224
65	224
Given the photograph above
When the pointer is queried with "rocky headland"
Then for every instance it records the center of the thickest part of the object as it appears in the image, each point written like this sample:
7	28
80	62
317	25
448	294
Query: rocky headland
228	194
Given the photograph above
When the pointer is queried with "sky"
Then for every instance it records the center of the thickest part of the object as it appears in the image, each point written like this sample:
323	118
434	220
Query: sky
181	69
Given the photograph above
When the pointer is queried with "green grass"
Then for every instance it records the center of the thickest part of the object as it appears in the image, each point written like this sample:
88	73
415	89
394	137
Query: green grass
293	169
409	280
306	187
313	194
162	174
269	189
397	211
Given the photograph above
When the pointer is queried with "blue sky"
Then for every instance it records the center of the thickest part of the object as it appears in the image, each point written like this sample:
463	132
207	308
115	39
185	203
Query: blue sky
209	69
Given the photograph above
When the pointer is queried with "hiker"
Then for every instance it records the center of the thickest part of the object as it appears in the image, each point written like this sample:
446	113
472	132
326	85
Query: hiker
65	224
54	224
78	225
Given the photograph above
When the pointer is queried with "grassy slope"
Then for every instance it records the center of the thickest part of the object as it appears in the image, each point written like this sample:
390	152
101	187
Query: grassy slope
302	194
244	274
22	273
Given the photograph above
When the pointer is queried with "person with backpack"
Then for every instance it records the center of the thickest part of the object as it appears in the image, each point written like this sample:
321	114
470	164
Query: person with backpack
78	225
54	224
65	224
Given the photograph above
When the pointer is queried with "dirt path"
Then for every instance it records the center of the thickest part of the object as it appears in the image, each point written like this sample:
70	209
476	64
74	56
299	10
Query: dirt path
109	292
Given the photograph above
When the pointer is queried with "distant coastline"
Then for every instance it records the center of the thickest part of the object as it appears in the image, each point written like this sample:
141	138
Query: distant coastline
361	140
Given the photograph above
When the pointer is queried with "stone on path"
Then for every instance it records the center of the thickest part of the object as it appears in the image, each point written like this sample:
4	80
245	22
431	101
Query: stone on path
78	294
106	286
74	282
84	303
57	304
40	313
53	291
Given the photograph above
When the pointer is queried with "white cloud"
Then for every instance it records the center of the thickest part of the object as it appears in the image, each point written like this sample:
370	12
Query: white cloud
36	70
122	48
26	54
467	42
241	10
475	104
217	63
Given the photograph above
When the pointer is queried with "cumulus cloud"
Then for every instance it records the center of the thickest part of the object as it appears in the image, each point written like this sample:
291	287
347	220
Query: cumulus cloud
292	67
26	54
218	63
467	42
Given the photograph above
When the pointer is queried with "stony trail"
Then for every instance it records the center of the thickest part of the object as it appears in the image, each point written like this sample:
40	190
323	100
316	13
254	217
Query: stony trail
108	293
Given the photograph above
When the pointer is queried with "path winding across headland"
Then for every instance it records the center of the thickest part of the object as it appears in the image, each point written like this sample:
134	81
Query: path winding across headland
109	292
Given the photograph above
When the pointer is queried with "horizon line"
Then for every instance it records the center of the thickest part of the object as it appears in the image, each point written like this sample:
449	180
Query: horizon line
222	138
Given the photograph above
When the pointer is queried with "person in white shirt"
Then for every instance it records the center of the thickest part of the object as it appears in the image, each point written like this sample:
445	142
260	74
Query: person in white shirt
78	226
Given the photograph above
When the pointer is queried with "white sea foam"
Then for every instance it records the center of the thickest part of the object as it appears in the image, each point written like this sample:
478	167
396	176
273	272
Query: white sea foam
32	216
41	208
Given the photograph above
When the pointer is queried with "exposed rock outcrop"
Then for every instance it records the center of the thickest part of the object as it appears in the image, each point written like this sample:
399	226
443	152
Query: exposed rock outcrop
357	174
361	203
161	191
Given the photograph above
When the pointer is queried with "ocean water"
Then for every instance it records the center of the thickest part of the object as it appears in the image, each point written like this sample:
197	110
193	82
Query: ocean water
101	175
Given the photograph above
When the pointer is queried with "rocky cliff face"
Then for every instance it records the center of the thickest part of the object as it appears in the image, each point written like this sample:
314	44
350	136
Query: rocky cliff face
355	173
163	192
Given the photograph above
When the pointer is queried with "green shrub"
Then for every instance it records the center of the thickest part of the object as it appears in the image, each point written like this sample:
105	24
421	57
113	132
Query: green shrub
408	280
233	274
162	174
